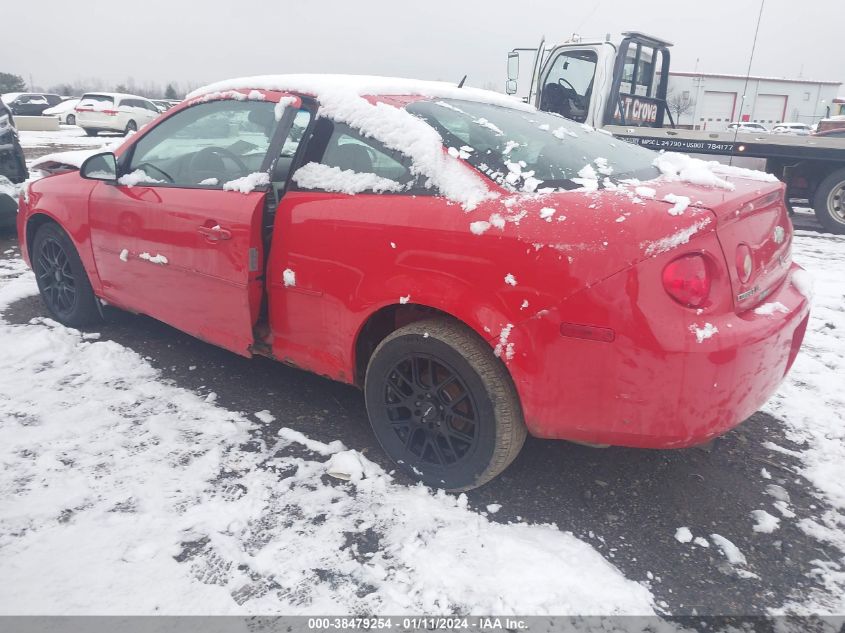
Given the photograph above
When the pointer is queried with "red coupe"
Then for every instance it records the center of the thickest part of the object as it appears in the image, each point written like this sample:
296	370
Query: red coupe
480	269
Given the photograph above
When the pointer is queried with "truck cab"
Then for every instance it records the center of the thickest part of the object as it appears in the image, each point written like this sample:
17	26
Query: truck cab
597	82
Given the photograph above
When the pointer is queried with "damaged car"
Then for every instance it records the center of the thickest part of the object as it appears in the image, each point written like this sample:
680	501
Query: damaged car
12	167
480	269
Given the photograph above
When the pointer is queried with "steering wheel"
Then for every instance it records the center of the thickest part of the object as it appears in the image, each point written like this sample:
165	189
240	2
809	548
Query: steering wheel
566	85
219	152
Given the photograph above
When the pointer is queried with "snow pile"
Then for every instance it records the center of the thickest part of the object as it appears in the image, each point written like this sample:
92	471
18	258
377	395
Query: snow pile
325	178
682	236
683	535
765	522
248	183
288	277
284	102
704	332
153	259
479	227
811	405
137	177
680	203
692	170
140	497
731	551
503	347
768	309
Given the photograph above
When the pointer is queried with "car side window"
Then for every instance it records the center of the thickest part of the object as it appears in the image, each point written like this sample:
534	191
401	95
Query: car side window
206	145
338	145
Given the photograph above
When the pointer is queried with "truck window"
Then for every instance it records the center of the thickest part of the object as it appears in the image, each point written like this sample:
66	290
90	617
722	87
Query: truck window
568	86
638	74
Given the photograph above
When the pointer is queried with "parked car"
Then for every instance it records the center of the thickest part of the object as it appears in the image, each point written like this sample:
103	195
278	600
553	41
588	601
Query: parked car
800	129
113	112
748	126
164	104
65	111
447	251
30	103
12	167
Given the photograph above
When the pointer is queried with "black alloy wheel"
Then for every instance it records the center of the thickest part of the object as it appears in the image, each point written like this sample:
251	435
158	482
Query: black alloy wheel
61	277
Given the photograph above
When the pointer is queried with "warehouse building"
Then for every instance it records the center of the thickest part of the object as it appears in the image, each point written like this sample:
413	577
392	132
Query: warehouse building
712	101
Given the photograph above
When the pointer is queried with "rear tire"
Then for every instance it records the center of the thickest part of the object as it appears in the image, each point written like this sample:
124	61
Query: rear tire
131	127
830	202
442	406
91	132
70	119
61	277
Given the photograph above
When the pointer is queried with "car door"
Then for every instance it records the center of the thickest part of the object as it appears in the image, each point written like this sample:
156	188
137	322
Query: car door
179	235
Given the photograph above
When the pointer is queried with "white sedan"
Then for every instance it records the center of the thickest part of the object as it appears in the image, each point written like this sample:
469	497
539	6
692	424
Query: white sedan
64	111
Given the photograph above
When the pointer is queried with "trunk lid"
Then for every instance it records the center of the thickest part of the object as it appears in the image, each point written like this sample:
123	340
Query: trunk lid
752	219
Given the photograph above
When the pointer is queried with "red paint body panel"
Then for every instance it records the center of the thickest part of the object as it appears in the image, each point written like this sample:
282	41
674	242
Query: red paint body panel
203	288
597	262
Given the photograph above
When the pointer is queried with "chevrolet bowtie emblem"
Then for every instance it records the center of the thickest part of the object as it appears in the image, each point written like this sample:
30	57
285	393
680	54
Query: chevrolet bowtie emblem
779	234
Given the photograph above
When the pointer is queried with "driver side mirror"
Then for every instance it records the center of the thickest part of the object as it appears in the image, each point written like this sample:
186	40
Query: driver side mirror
510	87
513	67
100	167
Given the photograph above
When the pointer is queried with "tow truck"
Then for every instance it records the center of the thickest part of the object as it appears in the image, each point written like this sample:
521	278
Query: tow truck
621	87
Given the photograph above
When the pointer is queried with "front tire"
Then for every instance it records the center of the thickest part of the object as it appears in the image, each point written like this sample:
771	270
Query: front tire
61	277
91	132
442	406
830	202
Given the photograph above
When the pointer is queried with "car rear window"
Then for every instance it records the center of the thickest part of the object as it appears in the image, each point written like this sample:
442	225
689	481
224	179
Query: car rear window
97	102
501	142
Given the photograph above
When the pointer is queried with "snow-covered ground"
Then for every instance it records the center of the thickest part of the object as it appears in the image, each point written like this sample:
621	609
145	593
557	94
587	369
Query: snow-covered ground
121	493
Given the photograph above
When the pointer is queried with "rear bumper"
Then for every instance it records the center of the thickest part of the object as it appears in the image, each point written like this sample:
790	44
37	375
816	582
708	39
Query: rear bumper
656	385
98	121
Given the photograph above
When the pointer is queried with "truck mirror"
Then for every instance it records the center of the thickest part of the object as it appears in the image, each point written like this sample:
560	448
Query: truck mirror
510	87
513	66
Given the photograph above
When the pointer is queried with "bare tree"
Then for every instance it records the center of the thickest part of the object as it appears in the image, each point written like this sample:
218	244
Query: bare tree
679	103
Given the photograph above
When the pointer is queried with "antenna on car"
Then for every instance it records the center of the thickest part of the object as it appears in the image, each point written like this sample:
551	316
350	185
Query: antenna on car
461	82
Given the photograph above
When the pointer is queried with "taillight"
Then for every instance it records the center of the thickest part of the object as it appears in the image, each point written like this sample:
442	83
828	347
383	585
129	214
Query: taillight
110	112
687	280
744	262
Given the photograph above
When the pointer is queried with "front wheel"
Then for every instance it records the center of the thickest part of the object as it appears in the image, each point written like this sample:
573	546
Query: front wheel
61	277
830	202
91	132
442	406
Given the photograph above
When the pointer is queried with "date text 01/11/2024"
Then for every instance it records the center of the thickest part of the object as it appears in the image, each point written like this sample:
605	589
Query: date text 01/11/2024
416	623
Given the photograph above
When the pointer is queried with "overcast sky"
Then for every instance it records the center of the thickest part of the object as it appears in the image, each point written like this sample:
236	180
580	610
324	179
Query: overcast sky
196	42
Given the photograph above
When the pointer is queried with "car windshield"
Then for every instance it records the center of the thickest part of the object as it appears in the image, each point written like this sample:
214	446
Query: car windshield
532	151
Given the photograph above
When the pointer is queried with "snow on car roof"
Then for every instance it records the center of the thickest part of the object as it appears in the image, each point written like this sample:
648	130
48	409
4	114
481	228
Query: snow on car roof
316	84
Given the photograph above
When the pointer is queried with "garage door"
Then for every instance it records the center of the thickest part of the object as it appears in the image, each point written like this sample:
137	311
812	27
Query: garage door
717	110
769	109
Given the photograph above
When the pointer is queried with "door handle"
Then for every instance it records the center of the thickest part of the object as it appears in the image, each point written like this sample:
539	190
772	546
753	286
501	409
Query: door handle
214	233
